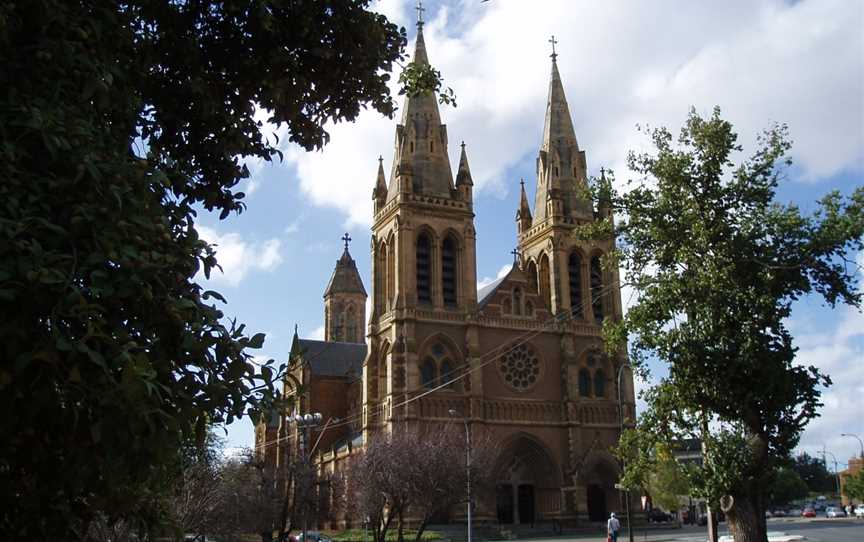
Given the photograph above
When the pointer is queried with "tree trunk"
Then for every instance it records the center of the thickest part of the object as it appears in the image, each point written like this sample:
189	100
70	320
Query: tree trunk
746	518
421	528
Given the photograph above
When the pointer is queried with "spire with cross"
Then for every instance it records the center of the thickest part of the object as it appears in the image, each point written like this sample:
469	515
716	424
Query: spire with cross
420	9
553	41
347	239
515	252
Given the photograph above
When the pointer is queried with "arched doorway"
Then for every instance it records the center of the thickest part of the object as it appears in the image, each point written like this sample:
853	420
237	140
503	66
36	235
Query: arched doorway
528	487
599	477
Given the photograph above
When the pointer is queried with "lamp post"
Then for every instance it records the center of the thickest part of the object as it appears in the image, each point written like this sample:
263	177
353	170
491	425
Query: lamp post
306	422
836	476
623	460
861	442
453	413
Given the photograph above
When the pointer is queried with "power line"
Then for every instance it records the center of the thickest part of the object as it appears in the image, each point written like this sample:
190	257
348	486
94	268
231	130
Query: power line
493	355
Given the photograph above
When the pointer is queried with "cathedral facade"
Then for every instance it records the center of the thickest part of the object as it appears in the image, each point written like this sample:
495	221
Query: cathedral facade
521	359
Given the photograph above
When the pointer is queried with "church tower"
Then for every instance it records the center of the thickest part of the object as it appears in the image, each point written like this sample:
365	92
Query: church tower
345	302
568	272
423	253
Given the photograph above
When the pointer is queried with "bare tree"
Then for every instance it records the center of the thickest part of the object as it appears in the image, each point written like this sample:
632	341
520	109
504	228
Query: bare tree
416	473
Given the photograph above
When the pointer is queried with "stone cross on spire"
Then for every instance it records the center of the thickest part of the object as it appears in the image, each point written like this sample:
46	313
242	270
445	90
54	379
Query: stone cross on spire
420	9
347	239
553	41
515	253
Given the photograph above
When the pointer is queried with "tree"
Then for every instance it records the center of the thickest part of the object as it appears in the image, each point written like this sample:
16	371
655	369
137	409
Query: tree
854	486
787	487
420	472
814	473
717	263
121	121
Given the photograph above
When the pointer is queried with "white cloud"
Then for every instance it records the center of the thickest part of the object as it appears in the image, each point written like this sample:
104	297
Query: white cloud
621	64
841	356
486	281
238	257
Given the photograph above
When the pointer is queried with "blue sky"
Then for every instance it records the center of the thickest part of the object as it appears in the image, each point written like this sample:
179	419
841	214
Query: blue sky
622	64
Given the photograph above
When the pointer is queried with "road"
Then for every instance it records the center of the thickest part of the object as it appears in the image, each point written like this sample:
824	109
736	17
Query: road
815	530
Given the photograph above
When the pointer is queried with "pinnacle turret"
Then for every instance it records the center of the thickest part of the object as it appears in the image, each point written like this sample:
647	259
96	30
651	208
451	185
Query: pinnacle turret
523	214
345	278
463	176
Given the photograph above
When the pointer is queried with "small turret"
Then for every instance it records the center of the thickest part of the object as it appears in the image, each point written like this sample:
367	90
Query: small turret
379	193
523	215
464	182
345	301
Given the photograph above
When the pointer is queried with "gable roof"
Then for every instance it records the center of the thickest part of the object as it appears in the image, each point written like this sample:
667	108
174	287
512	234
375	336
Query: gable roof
485	293
333	358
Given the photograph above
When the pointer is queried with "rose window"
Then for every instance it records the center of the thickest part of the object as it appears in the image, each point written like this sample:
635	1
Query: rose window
520	367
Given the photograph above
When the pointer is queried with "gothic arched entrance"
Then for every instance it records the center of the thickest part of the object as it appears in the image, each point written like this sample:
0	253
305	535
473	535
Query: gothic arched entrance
528	487
598	478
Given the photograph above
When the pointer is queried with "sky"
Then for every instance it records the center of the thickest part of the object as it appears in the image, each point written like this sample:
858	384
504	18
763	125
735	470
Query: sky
623	64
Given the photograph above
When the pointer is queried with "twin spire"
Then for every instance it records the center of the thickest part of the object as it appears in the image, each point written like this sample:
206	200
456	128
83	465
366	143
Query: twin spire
421	164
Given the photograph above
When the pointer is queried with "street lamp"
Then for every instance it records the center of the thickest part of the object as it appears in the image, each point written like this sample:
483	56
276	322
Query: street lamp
453	413
306	422
836	476
623	460
861	442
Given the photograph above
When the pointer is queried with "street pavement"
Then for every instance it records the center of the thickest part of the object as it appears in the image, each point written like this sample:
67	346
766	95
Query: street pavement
814	530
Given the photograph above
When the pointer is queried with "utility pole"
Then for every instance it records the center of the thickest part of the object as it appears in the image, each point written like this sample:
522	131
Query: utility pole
712	519
306	422
453	412
623	461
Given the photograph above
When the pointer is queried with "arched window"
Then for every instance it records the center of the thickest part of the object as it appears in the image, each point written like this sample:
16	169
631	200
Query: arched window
447	373
543	280
584	383
599	383
517	301
597	288
391	272
427	374
448	270
351	325
531	270
574	266
424	268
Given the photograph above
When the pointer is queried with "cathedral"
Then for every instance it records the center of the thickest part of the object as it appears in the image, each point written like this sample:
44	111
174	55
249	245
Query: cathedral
521	358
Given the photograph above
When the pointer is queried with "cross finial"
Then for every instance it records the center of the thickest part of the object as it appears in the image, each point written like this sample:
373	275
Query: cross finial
553	41
515	253
602	171
380	159
522	182
347	239
420	9
463	145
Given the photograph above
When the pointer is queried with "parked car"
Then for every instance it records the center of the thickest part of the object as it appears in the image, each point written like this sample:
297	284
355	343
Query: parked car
834	512
859	511
808	513
657	516
778	513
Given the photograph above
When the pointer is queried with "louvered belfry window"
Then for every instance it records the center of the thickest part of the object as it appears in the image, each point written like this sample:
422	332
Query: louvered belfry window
424	269
597	288
448	271
574	265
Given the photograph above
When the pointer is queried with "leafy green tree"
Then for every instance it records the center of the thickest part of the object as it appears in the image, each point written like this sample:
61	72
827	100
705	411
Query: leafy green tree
814	473
853	486
120	121
787	487
717	264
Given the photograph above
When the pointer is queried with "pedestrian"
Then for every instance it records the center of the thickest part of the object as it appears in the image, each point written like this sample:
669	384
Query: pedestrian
612	527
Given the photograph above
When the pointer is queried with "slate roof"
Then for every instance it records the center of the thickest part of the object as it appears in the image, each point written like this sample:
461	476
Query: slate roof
485	293
345	278
332	358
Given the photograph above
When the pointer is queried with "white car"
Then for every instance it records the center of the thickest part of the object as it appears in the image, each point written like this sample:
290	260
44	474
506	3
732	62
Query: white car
834	512
859	511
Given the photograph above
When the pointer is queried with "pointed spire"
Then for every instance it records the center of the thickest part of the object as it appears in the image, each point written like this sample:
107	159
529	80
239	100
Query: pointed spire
524	208
558	129
345	277
380	190
561	170
421	140
463	176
